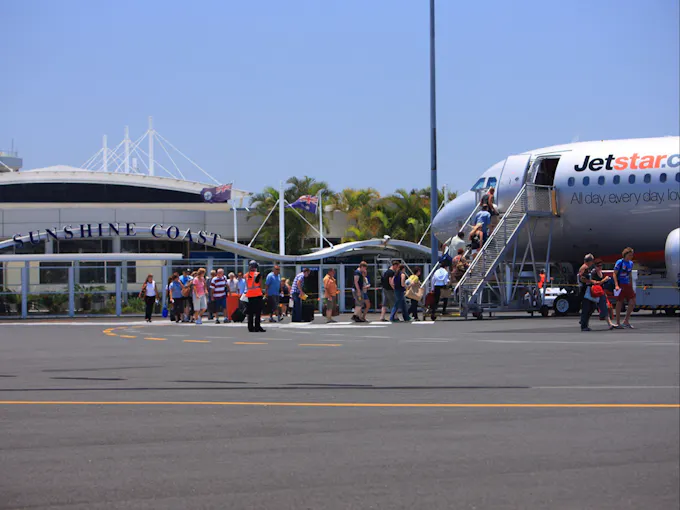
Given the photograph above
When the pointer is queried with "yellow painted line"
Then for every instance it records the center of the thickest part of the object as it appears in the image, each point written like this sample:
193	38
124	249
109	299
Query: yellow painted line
154	338
251	343
110	334
319	345
338	404
196	341
127	336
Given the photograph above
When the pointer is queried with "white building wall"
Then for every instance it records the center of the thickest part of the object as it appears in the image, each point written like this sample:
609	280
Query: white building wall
23	218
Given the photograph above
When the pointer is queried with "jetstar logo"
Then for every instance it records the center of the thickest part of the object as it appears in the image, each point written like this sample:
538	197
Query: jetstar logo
634	162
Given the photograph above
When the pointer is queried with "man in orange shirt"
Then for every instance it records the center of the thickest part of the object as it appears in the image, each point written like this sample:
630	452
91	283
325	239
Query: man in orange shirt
331	292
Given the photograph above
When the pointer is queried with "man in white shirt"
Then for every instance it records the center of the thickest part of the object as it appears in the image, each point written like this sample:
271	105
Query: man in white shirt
457	242
440	281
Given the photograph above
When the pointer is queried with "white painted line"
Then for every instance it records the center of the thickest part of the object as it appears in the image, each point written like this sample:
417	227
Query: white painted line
606	387
578	342
422	341
422	323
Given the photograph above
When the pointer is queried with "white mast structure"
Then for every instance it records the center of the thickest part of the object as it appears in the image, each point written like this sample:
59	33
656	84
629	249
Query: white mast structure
151	137
126	140
122	157
105	154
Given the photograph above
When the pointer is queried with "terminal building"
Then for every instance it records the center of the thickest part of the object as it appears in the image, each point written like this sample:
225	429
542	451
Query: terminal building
81	241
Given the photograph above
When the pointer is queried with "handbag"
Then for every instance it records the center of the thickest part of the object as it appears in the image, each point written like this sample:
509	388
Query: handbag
445	293
157	308
416	295
589	296
165	311
596	291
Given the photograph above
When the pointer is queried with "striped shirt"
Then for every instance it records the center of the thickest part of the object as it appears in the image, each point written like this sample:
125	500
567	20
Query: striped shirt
218	285
298	283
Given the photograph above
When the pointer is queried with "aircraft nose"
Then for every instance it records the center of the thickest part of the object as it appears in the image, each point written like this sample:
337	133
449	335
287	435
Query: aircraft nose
449	221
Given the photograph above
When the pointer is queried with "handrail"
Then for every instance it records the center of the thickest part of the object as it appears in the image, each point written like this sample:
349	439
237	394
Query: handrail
480	256
466	224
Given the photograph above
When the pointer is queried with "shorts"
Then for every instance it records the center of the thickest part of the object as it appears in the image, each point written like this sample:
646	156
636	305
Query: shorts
220	303
627	291
358	298
388	299
200	303
273	304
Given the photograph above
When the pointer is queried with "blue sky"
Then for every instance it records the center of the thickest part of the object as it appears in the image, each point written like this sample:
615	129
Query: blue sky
260	91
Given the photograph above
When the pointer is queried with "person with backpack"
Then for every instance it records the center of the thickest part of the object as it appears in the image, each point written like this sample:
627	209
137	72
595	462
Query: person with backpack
488	201
623	286
186	280
399	286
388	298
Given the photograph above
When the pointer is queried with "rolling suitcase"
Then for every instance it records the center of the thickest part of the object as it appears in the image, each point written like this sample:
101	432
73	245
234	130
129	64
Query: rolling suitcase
238	315
308	313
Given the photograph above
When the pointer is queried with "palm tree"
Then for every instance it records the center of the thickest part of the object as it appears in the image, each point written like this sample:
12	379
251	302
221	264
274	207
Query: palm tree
359	206
410	214
298	233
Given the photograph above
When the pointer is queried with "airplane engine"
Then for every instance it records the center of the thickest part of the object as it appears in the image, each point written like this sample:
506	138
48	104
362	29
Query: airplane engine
673	256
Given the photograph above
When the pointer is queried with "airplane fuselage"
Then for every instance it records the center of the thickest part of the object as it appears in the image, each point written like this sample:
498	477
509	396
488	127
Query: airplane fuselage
610	194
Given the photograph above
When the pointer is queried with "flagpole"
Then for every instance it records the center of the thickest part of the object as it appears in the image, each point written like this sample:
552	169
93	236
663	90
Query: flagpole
282	222
321	289
320	222
233	206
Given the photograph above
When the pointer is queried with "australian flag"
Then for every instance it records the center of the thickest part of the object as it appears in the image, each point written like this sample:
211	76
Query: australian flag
306	203
217	194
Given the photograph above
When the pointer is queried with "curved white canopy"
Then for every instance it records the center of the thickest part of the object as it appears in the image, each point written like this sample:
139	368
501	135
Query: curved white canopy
242	250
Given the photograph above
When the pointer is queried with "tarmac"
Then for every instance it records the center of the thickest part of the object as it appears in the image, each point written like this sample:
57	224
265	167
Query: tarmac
508	413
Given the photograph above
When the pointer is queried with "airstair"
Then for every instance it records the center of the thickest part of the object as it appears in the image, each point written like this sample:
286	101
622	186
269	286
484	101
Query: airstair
492	279
485	270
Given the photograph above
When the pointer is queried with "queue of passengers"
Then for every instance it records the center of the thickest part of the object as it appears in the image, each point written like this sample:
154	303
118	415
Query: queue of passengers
191	295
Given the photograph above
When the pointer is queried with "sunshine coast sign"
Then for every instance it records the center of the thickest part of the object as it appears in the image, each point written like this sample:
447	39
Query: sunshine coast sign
97	230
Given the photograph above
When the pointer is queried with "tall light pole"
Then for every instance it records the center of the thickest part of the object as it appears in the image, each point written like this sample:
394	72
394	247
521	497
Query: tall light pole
434	253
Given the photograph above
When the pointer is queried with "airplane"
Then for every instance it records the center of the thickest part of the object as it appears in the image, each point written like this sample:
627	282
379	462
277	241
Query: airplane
610	194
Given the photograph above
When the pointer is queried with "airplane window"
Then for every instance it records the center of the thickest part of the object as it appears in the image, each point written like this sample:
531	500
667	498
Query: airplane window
571	181
617	179
600	180
478	185
648	178
631	179
492	182
677	177
662	177
586	181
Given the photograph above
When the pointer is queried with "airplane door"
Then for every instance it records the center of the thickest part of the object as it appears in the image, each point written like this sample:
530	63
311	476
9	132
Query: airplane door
512	179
